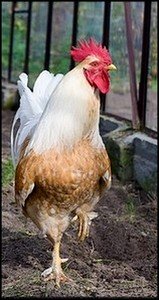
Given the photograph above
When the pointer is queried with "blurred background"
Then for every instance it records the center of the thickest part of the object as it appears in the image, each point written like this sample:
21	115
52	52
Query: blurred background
38	35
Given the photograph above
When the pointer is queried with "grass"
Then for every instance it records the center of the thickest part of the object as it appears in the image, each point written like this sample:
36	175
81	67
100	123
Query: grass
154	85
7	172
130	208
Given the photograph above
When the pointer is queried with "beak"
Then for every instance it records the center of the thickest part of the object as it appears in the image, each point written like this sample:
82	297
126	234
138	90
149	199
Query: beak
111	67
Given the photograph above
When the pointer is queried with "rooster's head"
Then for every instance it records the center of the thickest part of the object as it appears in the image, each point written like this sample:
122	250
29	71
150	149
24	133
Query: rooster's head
96	63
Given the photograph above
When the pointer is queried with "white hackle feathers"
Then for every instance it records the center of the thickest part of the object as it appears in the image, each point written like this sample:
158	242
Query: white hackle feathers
32	105
71	114
59	112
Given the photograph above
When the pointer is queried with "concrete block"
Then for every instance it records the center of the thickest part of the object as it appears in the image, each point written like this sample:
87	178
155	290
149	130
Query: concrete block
106	126
109	124
133	154
145	162
9	95
145	147
121	154
145	173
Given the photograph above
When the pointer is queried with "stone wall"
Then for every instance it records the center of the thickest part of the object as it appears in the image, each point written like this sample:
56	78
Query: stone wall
133	154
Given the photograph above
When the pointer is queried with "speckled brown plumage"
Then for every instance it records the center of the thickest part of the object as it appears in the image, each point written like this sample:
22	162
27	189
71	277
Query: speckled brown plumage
63	181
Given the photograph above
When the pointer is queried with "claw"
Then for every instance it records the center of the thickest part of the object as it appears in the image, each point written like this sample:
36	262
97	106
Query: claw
85	219
46	273
82	233
74	218
63	260
92	215
57	275
53	273
61	277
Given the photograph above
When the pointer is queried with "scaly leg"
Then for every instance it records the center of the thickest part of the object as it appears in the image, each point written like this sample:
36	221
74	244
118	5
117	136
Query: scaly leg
85	219
55	272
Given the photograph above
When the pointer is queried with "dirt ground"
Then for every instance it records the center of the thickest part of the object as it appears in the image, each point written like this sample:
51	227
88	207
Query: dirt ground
119	258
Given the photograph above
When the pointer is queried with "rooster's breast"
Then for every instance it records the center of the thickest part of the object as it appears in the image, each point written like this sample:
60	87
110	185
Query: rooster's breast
70	178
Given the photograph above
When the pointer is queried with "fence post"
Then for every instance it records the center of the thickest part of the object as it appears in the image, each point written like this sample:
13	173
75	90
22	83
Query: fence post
74	29
48	36
11	41
133	87
105	42
106	23
144	64
27	51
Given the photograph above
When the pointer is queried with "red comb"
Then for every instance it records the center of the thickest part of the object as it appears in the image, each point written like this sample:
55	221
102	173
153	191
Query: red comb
90	47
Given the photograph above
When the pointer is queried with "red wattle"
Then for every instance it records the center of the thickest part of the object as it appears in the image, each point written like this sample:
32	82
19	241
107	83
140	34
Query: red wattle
99	80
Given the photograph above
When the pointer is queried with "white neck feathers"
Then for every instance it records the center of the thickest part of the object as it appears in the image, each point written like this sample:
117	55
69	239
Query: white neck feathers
72	113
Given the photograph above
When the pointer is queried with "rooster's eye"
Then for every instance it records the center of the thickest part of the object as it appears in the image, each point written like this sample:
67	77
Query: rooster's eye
94	64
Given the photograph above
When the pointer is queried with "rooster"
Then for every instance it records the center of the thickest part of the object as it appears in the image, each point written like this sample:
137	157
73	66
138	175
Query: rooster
61	165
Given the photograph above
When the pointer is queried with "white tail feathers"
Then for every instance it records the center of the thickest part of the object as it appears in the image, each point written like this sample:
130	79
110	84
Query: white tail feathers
32	105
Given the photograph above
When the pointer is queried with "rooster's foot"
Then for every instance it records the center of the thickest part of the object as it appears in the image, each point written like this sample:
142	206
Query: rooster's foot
85	219
55	273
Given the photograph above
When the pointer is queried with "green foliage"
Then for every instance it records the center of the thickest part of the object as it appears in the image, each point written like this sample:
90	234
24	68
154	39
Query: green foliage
130	208
18	43
19	46
60	60
7	172
153	42
5	38
154	85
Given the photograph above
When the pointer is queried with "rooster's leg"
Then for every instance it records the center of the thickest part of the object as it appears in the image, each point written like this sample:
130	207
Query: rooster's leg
55	272
84	222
